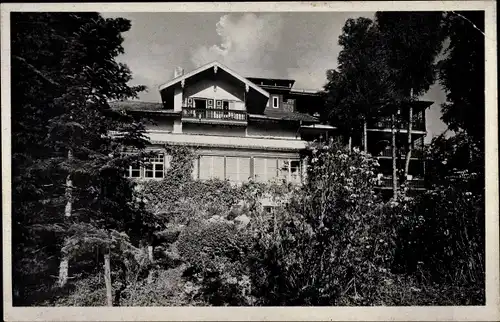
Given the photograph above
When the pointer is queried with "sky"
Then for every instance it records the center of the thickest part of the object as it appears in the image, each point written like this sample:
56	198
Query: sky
294	45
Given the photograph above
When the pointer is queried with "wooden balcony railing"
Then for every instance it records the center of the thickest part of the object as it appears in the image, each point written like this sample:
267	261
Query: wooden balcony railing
415	153
386	182
417	125
214	114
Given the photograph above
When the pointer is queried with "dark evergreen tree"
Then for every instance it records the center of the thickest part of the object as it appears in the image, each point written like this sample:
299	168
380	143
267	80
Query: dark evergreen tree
69	189
461	73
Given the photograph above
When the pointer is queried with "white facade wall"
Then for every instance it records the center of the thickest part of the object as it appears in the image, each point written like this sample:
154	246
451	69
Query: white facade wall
263	131
178	98
217	90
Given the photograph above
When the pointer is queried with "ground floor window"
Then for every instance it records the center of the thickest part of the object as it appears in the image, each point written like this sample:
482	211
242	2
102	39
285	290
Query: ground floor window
277	169
242	169
153	169
211	167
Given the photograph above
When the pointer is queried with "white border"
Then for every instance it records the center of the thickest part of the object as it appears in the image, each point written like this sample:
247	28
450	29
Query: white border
488	312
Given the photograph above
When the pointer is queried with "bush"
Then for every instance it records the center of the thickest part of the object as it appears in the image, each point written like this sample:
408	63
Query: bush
333	243
89	291
216	251
452	217
165	289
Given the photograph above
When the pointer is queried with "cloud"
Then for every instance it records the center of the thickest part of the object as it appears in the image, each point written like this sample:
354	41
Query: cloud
248	44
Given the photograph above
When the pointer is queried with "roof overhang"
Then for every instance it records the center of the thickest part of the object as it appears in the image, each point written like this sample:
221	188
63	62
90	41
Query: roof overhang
214	64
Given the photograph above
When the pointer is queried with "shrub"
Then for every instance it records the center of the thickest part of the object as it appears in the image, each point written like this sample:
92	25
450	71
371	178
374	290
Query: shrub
166	289
452	217
333	242
216	252
89	291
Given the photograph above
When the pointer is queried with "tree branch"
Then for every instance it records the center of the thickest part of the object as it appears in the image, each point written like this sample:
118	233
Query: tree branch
36	71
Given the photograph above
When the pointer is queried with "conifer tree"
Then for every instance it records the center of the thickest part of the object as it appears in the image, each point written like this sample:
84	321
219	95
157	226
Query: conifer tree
69	190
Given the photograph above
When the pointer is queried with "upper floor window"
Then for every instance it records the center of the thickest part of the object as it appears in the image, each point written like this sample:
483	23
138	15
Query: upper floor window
275	101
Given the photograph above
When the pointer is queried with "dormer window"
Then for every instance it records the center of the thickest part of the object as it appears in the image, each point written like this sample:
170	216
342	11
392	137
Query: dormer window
275	101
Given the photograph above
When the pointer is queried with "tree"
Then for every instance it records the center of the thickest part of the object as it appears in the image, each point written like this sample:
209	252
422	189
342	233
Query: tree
412	40
461	73
383	66
356	91
70	193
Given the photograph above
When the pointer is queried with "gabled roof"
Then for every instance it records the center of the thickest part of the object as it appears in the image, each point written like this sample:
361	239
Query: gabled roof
211	65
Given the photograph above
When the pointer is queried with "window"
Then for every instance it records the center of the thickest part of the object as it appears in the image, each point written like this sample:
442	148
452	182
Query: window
155	167
283	169
218	168
232	169
295	171
237	169
275	101
134	171
269	169
259	165
225	107
211	167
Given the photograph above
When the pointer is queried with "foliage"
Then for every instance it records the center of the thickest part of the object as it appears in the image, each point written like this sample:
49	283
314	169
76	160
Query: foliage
379	63
166	289
359	86
464	82
217	251
64	73
451	214
89	291
334	242
411	41
178	198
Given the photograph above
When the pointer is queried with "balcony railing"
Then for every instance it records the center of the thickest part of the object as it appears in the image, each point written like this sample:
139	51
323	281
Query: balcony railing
415	153
417	125
214	114
386	182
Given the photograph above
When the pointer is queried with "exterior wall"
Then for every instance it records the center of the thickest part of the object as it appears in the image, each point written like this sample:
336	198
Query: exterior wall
269	131
161	125
207	129
178	98
217	90
177	126
229	141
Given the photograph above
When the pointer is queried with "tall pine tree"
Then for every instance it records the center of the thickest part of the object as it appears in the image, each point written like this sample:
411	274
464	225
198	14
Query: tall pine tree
70	195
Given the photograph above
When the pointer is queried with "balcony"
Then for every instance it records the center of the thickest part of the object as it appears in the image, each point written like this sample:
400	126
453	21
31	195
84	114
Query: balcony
387	153
417	125
214	116
413	184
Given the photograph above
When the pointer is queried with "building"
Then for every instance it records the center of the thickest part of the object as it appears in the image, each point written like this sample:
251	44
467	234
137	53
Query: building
378	136
241	127
249	127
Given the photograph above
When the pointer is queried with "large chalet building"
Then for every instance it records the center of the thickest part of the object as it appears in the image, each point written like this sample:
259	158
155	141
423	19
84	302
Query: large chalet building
247	128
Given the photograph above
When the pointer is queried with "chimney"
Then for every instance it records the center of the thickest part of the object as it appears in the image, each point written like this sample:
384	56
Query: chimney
179	71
